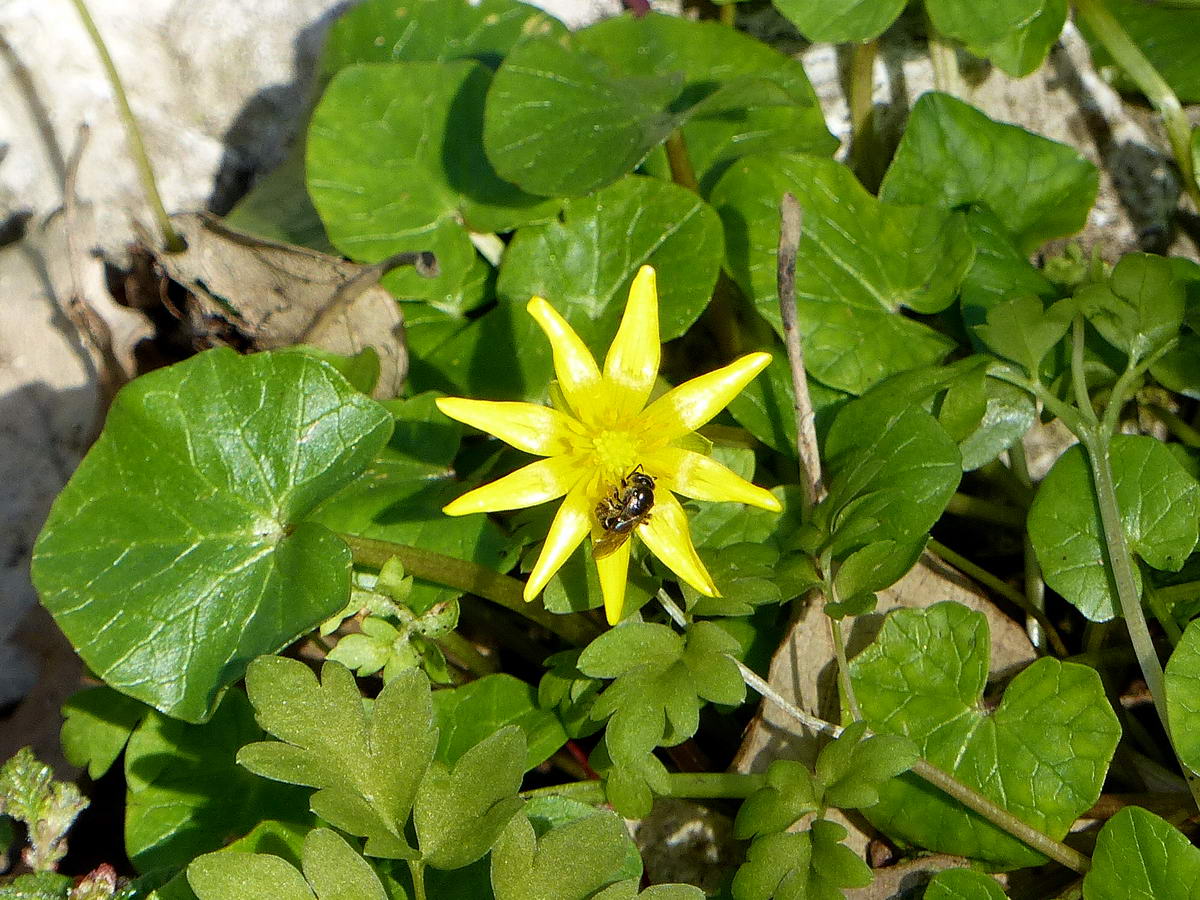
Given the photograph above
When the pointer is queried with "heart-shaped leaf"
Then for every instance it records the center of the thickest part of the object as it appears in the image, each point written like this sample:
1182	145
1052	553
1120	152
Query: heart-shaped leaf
1182	685
1024	331
1023	48
1159	504
963	884
980	23
1139	855
1141	306
859	262
840	21
1042	754
952	155
177	552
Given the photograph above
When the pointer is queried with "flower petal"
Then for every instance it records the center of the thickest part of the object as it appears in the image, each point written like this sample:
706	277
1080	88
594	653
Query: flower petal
666	534
703	478
570	526
694	402
578	374
614	575
526	426
634	355
530	485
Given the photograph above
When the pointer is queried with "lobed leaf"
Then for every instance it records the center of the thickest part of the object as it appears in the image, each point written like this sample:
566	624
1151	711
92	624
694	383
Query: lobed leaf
470	712
568	862
97	722
177	552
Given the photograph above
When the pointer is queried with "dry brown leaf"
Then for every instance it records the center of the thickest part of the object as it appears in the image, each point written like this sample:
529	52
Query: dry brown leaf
276	295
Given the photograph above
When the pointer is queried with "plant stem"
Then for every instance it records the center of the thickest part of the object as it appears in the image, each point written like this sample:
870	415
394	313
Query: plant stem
171	239
472	578
682	172
948	784
1162	612
944	59
1115	39
464	651
845	685
417	869
1184	432
1035	586
990	581
860	101
986	511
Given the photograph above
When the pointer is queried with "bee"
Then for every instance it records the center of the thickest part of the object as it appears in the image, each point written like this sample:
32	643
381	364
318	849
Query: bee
624	510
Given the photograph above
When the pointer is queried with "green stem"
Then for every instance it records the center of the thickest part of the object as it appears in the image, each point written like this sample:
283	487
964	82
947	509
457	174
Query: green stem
1035	585
1162	612
845	685
171	239
990	581
457	646
944	59
682	172
727	14
862	88
947	783
472	578
1083	400
1115	39
417	869
986	511
1175	594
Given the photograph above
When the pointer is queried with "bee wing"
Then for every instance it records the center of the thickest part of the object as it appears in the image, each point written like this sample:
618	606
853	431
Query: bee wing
610	542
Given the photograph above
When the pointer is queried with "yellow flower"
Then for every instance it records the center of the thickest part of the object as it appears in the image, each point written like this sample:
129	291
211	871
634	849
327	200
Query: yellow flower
607	431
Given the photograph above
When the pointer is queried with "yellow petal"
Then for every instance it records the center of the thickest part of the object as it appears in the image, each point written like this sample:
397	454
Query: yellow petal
578	374
570	526
694	402
703	478
614	574
666	534
633	357
530	485
526	426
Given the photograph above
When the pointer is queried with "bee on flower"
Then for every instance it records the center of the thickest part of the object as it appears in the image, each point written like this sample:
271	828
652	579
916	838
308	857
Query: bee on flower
610	443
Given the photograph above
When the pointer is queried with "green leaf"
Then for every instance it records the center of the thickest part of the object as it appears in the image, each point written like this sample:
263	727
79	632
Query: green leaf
336	871
411	132
1139	855
186	795
571	692
38	886
176	553
738	95
385	31
367	768
469	713
1182	686
952	155
1164	34
246	876
963	884
999	270
1159	504
1024	331
788	795
859	262
840	21
1042	754
799	866
568	862
278	208
1139	309
461	811
851	769
1024	48
974	23
97	721
30	794
628	890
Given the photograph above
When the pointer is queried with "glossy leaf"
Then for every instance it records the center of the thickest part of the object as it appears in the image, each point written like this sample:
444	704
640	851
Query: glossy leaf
840	21
366	769
186	794
410	132
1182	686
952	155
1159	504
1140	308
1042	754
975	23
387	31
469	713
999	271
859	262
177	553
1139	855
963	884
1024	48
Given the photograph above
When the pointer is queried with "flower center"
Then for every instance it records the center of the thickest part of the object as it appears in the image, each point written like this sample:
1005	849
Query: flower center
615	453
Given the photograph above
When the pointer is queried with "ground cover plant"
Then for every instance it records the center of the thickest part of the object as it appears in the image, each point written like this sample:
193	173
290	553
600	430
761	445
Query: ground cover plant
675	376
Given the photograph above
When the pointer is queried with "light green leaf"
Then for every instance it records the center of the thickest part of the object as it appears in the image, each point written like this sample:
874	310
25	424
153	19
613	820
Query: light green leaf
1139	855
840	21
952	155
859	262
1140	308
469	713
386	31
461	811
336	871
1023	330
789	794
410	132
1023	49
176	553
1165	33
97	721
186	795
568	862
1182	685
974	23
1042	754
1159	504
367	769
963	884
999	271
851	770
246	876
801	865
